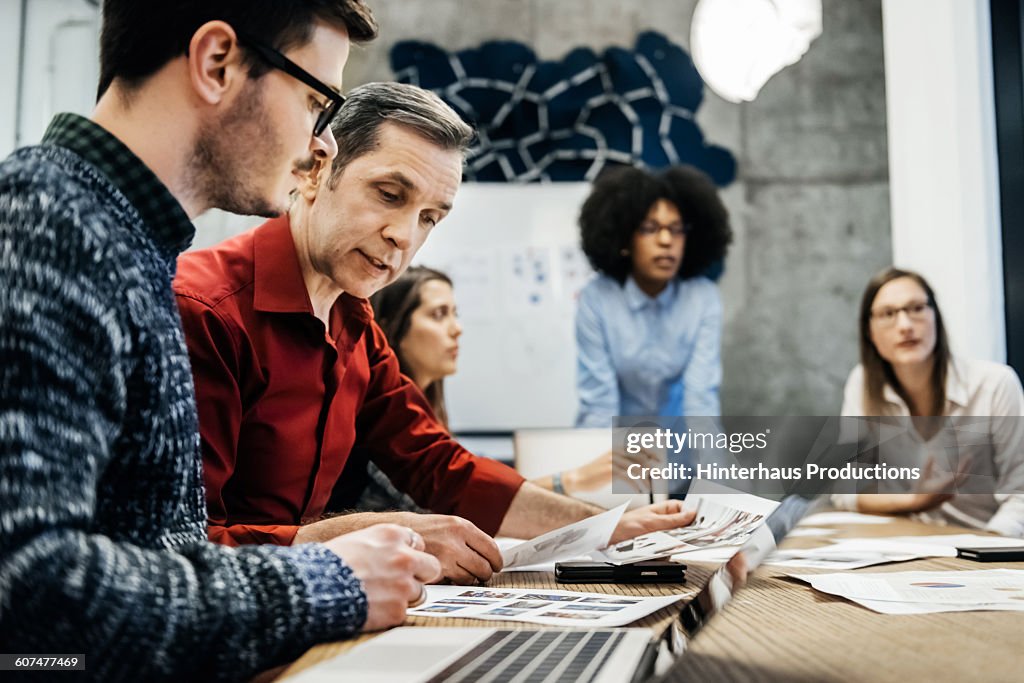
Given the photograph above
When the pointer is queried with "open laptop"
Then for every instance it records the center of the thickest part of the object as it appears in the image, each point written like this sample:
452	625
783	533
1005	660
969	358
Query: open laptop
470	655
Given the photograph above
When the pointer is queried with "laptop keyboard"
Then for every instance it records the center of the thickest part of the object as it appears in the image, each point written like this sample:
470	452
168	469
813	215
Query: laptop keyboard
534	656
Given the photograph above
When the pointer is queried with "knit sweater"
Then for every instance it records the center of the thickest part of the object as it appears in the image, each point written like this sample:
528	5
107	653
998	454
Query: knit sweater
103	546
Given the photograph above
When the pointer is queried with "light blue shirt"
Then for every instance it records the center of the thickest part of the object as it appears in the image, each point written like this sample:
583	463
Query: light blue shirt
638	355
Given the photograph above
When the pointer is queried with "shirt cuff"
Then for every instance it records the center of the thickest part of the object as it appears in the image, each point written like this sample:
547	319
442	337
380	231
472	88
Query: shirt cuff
844	501
1009	519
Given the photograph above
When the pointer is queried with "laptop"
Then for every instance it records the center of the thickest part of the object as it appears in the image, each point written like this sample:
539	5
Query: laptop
614	655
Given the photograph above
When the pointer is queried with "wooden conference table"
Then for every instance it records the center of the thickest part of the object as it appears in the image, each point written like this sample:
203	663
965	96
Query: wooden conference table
778	629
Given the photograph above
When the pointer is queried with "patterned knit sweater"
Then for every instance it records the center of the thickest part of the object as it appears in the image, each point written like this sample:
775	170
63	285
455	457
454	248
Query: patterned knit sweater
103	546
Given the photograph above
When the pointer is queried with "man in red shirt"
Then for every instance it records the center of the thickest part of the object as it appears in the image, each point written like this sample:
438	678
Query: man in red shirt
291	371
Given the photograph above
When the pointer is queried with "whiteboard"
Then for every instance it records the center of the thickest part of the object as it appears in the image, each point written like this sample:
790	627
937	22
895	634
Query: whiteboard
512	251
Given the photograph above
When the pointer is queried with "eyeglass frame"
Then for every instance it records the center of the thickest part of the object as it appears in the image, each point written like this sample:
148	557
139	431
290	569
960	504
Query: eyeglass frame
644	229
278	61
892	313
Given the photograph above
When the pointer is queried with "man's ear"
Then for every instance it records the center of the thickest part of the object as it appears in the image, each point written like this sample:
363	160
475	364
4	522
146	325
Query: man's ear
315	178
215	61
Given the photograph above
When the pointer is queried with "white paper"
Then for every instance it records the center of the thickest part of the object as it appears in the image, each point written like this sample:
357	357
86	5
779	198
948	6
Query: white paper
829	518
539	606
927	592
953	541
854	553
810	531
504	543
714	554
788	558
570	541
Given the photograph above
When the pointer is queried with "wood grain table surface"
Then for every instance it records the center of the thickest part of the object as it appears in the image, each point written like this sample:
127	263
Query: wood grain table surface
779	629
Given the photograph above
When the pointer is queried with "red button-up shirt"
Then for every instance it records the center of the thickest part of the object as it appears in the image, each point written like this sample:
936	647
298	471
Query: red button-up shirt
283	401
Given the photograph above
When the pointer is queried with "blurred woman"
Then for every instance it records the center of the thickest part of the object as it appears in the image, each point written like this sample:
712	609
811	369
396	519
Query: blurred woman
907	370
649	327
418	315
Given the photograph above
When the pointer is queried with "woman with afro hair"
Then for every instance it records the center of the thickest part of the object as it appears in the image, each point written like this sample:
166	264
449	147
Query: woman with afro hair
649	327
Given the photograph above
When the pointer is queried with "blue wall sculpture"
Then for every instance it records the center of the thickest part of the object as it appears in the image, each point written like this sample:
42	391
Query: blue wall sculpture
567	120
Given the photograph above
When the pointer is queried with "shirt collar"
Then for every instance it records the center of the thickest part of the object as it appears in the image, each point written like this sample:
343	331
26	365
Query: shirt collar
278	286
956	386
163	217
637	299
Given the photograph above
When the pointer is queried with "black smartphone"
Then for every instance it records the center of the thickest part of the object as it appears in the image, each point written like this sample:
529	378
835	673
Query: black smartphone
656	571
1011	554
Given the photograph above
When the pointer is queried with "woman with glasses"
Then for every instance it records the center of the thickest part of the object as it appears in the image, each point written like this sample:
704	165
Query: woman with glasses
418	315
907	370
649	327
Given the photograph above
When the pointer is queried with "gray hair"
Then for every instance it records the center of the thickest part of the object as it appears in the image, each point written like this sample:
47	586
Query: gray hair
368	107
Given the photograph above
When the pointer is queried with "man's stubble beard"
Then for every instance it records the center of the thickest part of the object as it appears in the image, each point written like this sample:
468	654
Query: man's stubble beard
231	156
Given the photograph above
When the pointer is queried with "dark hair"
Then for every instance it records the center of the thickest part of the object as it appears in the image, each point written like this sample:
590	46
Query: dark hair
368	107
620	200
393	307
877	370
139	38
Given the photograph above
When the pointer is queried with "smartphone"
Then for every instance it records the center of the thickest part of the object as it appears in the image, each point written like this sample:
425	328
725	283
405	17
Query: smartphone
655	571
1011	554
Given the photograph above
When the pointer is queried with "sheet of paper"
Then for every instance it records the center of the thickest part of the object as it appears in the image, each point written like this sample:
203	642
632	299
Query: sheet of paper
931	608
539	606
809	532
714	554
977	589
829	518
787	558
854	553
504	543
953	541
570	541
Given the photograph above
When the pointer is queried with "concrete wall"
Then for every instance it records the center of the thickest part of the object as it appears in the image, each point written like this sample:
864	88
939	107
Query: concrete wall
810	207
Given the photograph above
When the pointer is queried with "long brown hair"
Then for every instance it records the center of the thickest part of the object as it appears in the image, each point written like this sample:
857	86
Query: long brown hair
393	307
877	370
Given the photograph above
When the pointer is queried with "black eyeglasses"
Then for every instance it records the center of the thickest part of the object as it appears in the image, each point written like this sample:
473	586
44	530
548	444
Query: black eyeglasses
279	61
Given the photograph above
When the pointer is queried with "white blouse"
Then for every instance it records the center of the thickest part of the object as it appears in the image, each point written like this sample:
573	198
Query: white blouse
974	388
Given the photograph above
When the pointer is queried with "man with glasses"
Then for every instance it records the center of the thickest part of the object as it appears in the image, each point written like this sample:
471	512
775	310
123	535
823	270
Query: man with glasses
103	546
292	373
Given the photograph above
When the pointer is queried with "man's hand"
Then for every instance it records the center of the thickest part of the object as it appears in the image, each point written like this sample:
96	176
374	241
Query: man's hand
389	561
668	514
467	555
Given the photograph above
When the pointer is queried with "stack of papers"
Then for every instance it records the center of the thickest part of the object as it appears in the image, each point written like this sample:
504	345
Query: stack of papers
539	606
927	592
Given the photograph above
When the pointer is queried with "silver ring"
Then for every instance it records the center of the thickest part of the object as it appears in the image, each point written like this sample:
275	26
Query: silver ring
412	537
422	599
